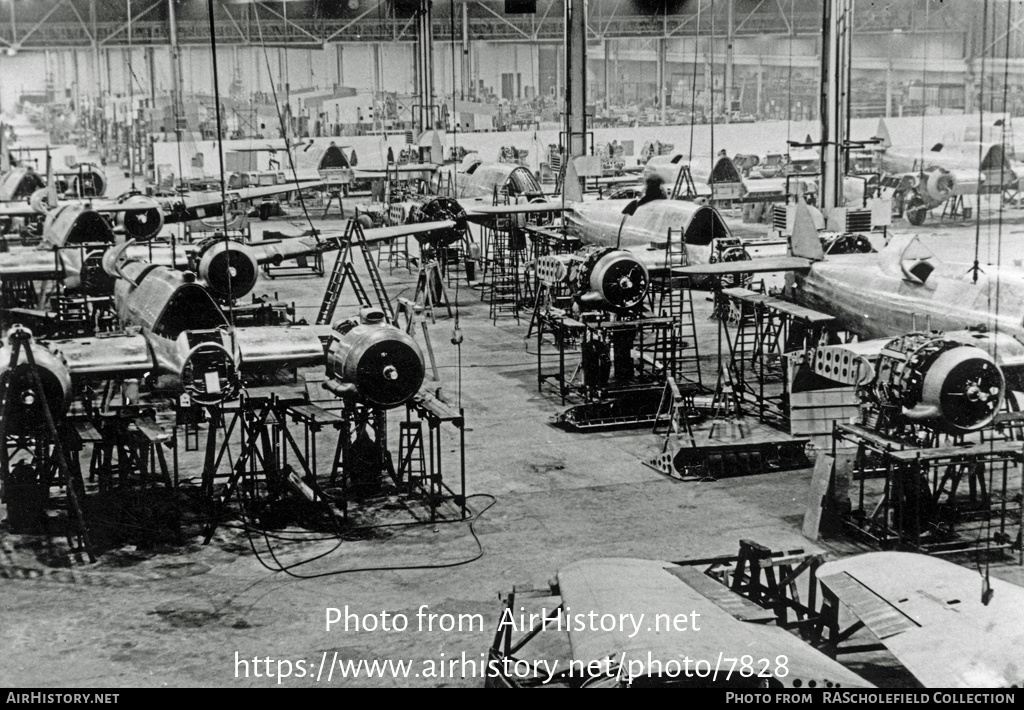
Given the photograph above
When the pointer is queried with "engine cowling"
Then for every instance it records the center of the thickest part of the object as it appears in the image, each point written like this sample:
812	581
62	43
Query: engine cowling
141	218
953	386
939	184
612	278
229	269
373	362
27	414
439	209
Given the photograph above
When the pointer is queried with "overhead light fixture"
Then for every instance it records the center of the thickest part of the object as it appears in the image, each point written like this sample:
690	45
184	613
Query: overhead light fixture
353	4
11	51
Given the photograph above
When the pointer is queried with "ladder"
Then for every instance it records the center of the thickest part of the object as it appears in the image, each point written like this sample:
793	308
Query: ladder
683	180
412	466
344	270
678	353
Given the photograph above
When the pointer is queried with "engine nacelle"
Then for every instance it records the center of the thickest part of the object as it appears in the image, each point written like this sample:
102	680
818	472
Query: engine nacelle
957	387
439	209
209	371
229	269
26	414
947	385
373	362
600	277
939	184
141	218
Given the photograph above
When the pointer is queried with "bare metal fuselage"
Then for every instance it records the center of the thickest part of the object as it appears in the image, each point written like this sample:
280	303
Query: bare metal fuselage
870	295
599	223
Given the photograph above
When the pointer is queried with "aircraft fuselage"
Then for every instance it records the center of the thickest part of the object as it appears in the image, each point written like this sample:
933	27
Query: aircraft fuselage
876	302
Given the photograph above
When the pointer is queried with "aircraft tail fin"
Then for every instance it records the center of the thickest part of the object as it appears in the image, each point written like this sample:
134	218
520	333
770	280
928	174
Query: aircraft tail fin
436	150
571	183
883	134
805	241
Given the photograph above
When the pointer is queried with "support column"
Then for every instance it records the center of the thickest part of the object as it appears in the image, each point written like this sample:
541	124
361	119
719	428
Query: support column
833	108
727	90
607	84
466	64
760	88
177	99
576	76
424	67
888	89
659	73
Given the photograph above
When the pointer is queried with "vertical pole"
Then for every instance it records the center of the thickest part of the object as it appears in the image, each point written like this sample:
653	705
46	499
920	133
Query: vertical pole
660	74
576	76
425	66
832	122
466	70
176	97
727	89
604	58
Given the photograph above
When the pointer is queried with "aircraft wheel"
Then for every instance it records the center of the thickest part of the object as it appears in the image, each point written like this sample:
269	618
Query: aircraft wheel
916	210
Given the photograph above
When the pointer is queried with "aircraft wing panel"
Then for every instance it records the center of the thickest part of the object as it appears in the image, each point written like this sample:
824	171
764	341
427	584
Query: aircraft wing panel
278	250
271	347
246	194
952	639
881	617
383	234
18	209
750	266
30	265
101	357
481	212
382	173
629	588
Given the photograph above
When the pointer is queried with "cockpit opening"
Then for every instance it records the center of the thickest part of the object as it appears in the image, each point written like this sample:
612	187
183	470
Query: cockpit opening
522	182
705	226
333	157
190	307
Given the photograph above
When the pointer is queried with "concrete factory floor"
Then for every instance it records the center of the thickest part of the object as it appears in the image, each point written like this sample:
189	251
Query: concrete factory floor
181	615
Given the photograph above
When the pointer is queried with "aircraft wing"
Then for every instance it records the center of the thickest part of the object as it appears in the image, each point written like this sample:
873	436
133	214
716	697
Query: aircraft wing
929	614
483	213
211	205
382	173
274	251
418	230
31	265
103	356
18	209
750	266
271	347
277	250
646	590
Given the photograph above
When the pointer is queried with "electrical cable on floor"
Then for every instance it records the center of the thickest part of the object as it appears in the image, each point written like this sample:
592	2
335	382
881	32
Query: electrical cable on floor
287	569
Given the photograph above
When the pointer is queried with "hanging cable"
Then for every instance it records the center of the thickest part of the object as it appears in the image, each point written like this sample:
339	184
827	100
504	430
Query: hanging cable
975	268
789	79
712	161
693	86
281	121
457	336
220	155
